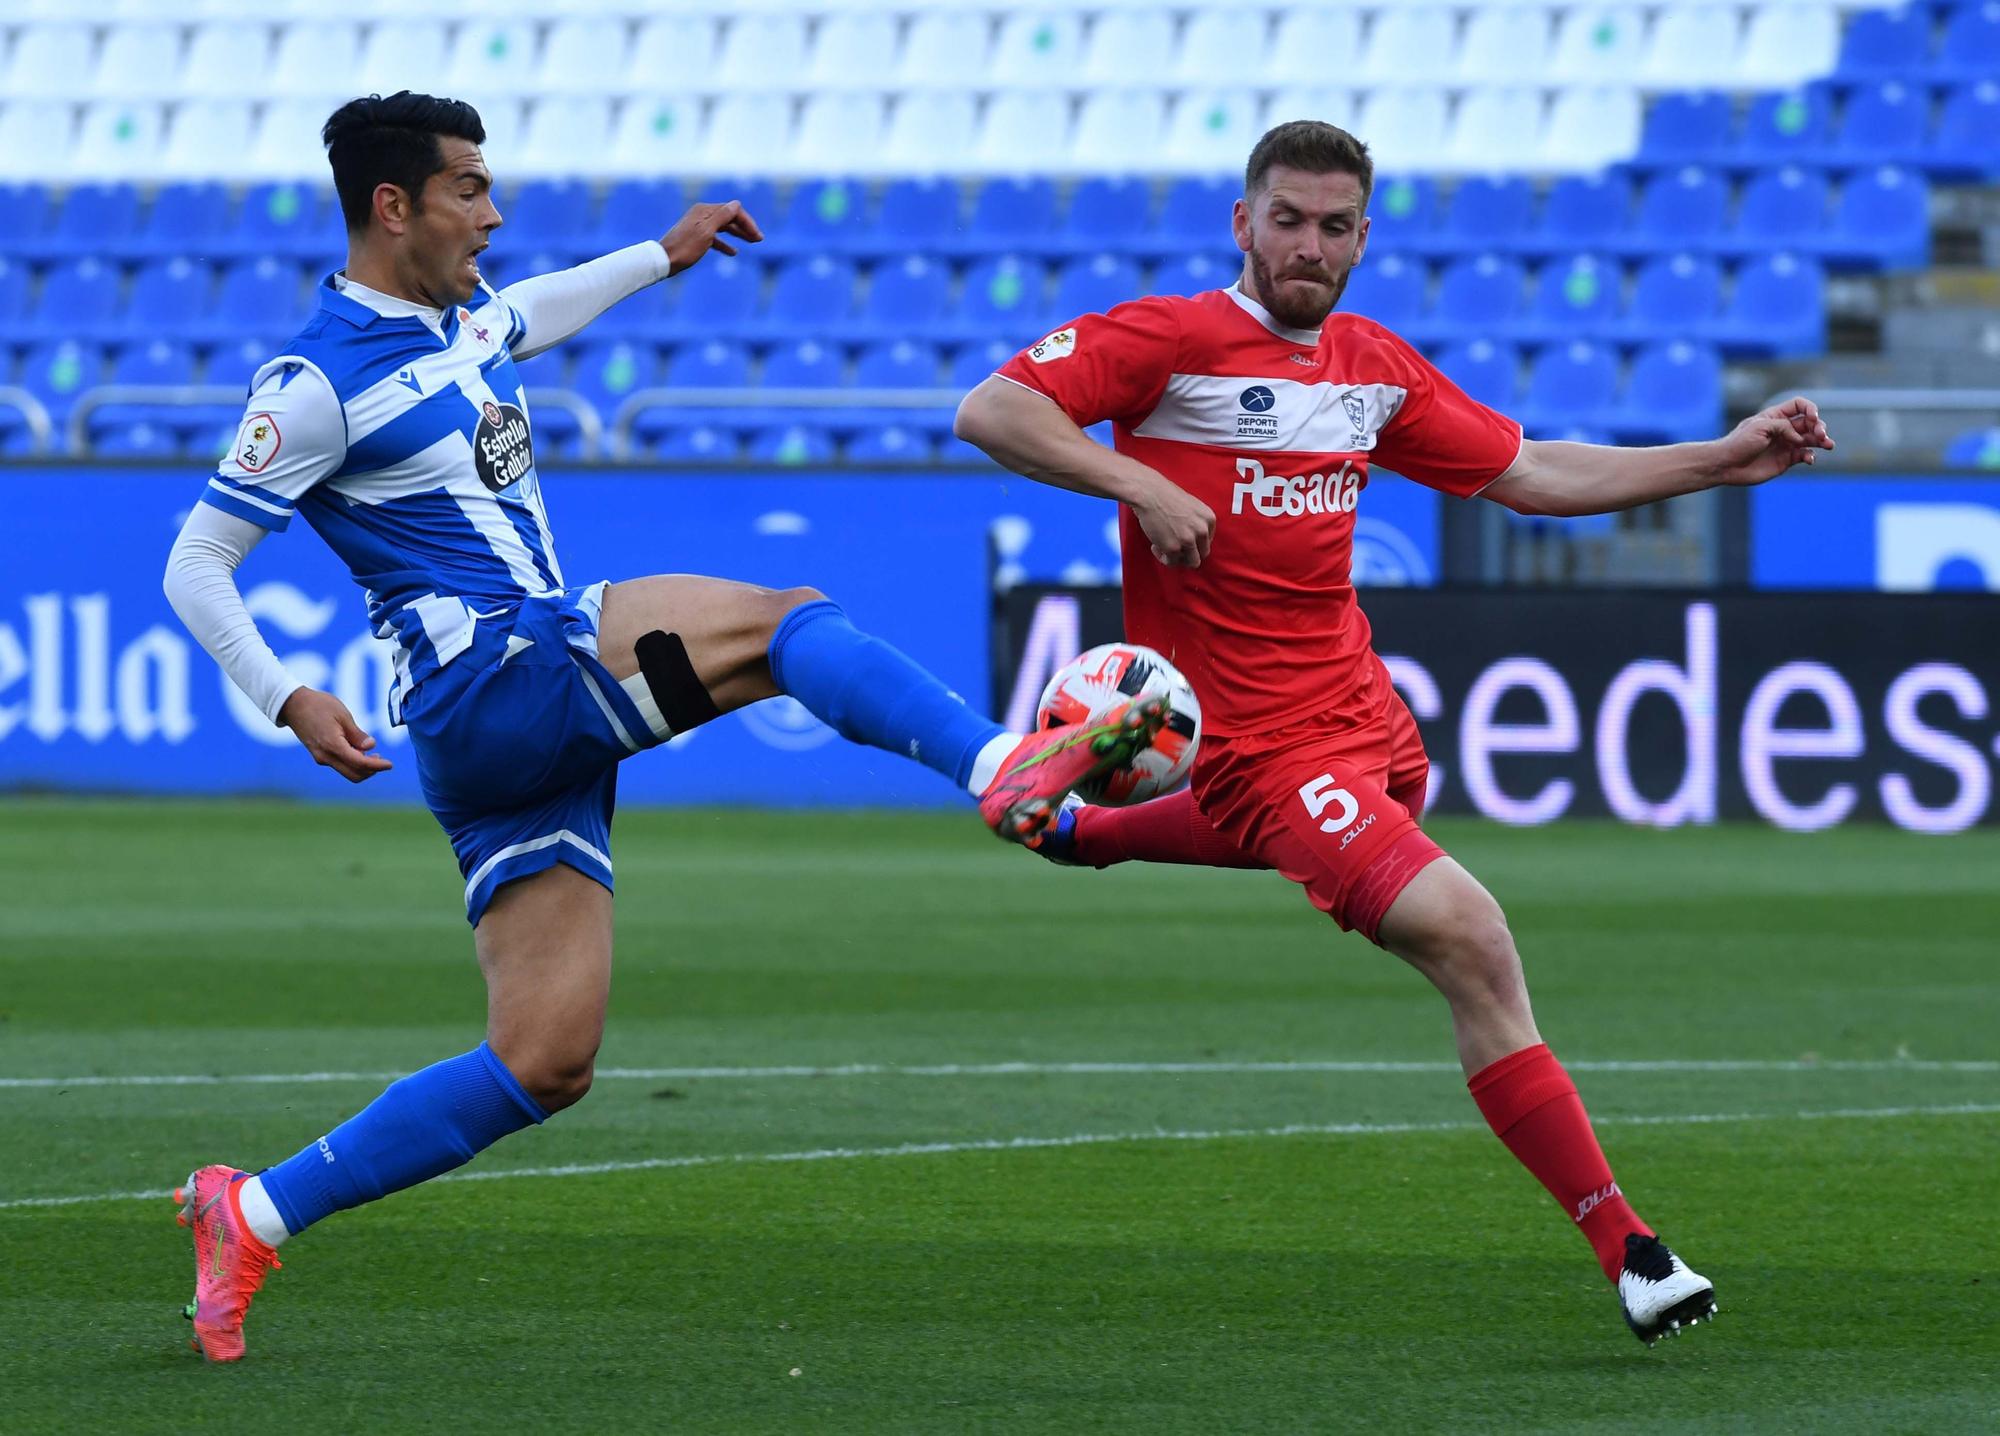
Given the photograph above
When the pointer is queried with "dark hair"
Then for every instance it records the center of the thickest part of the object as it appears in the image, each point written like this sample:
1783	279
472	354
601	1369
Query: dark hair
374	141
1315	147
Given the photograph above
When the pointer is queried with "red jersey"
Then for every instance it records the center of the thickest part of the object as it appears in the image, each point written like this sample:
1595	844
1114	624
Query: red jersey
1274	429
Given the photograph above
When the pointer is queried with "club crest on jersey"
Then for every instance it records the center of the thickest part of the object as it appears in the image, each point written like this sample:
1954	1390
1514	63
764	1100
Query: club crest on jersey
1059	345
465	318
1256	421
1357	413
502	451
257	442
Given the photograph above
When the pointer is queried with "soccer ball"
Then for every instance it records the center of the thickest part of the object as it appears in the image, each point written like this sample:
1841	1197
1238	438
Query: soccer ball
1112	673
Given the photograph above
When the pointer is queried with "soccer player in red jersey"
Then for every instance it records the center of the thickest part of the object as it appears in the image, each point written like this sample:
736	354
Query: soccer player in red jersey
1246	421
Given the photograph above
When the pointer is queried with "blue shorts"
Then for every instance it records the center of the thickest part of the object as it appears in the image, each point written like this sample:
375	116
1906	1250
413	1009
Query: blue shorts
517	742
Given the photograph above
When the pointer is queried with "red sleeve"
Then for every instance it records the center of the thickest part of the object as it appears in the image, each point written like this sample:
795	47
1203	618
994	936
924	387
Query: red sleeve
1104	366
1441	437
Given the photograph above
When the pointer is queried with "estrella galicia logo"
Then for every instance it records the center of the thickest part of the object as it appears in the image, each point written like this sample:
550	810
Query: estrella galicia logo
501	449
1257	400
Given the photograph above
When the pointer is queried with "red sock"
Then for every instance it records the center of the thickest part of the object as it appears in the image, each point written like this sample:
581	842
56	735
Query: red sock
1532	1106
1167	830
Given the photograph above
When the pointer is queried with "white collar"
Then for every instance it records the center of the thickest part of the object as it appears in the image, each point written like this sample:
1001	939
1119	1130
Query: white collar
388	305
1263	316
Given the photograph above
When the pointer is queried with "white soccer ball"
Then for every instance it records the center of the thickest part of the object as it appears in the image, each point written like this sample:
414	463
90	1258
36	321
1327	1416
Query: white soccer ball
1093	683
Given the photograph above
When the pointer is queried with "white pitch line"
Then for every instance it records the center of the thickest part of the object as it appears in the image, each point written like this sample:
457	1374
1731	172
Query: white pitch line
1086	1139
1014	1069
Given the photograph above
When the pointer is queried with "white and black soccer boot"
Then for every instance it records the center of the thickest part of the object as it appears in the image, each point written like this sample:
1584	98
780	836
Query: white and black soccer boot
1660	1295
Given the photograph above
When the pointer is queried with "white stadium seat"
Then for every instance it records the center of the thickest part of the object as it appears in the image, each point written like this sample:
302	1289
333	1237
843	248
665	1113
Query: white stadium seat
1023	132
580	54
1313	47
671	54
839	131
503	117
314	58
1211	131
1589	128
1227	47
287	144
1038	48
1129	47
929	132
656	136
491	59
137	60
1787	44
1410	43
205	139
1404	128
226	59
945	49
117	139
1334	107
564	135
853	51
35	139
1692	44
1496	129
1119	129
748	133
46	60
401	55
1505	45
1597	44
758	50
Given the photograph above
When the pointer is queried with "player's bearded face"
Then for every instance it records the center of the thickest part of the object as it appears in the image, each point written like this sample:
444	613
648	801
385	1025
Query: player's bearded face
1301	238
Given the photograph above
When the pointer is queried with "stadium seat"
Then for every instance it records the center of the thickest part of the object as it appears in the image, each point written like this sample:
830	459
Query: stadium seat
1008	214
1970	47
401	54
1685	128
1787	44
606	375
1673	394
1022	131
287	142
1310	102
1486	371
1485	213
1967	142
1578	295
1884	123
1788	126
1571	383
575	54
635	210
56	371
791	445
158	362
545	215
907	297
1582	212
1118	130
1194	215
24	218
135	58
897	364
823	216
917	215
1590	128
1229	46
671	54
95	218
718	296
1597	43
1407	129
1092	285
649	314
890	444
47	62
1478	297
221	55
972	365
315	57
947	48
1390	288
837	130
1411	43
1403	212
142	440
564	136
259	296
1504	41
191	219
1673	294
714	364
78	299
1686	208
929	132
1106	215
748	131
1882	221
1192	274
656	135
169	296
205	138
1778	309
810	295
1692	44
1975	449
1129	47
1886	42
13	303
1780	208
1495	129
288	220
1038	49
697	444
1003	296
853	47
1210	130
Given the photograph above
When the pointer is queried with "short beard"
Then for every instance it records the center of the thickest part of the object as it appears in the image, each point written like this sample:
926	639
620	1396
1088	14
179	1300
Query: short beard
1292	316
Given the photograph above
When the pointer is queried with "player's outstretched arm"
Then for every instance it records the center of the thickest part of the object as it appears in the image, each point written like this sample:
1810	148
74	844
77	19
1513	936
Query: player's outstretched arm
1024	431
1566	480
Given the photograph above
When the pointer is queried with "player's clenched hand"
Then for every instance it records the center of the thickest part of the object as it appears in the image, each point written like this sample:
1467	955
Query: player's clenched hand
701	229
1765	445
1179	526
329	732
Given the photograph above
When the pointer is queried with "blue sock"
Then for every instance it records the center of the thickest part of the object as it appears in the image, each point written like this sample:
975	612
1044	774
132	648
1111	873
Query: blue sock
421	1126
871	693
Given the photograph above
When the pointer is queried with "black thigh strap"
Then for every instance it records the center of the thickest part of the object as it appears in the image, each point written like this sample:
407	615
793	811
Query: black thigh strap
663	662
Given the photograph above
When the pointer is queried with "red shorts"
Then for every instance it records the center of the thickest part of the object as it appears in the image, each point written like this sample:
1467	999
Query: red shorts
1331	801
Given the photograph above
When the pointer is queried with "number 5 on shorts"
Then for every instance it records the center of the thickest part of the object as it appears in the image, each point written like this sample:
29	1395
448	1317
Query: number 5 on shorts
1320	794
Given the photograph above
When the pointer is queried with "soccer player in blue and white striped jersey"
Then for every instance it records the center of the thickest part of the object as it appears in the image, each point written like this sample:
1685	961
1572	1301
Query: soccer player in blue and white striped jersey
396	425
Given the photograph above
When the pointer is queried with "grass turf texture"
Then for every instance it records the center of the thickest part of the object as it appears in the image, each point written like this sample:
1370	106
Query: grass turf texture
1408	1281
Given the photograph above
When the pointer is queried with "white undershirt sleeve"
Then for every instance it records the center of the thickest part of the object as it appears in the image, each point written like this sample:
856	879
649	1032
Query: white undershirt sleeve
550	307
201	585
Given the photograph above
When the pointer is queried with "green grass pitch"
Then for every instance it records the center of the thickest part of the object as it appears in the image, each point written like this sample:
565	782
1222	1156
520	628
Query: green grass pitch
1294	1220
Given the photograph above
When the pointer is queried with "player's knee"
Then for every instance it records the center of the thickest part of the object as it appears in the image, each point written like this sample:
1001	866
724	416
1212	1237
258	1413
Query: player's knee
557	1079
1467	946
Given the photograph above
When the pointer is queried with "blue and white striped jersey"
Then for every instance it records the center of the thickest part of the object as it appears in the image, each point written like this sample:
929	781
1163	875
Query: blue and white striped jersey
402	434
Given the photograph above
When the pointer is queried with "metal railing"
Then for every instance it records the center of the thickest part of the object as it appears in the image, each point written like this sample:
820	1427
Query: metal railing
806	401
31	409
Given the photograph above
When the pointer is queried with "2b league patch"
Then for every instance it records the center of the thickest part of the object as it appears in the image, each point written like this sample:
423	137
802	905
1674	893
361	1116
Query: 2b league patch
258	442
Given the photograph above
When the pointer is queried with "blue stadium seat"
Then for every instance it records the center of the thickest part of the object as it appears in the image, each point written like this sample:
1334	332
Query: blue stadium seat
1571	383
890	444
550	215
1478	297
1686	128
804	364
1970	49
917	214
1781	208
78	299
1787	126
607	373
186	219
1093	285
1583	212
1883	123
635	210
810	296
1003	296
1486	213
1194	215
1883	221
898	364
1886	42
824	216
714	364
1777	311
95	219
717	296
237	362
646	314
1975	449
260	296
1390	290
1680	209
1402	213
161	361
169	296
24	218
698	444
13	301
289	221
908	296
1672	294
55	372
975	363
142	439
1967	142
1674	393
1106	216
1576	295
1192	274
1488	372
1009	215
791	445
758	196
